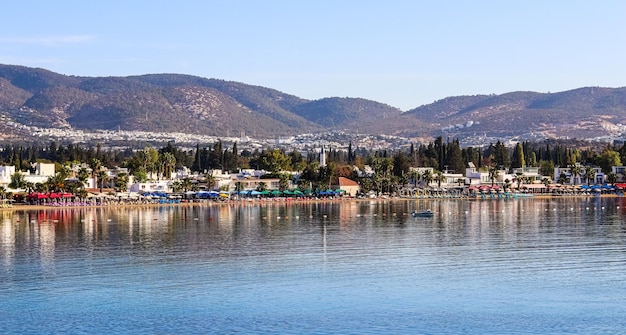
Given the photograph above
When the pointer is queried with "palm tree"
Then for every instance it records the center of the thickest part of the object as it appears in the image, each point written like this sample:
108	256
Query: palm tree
82	175
3	192
576	170
177	186
103	177
238	186
427	177
590	174
187	184
95	166
210	180
56	183
439	178
611	177
167	162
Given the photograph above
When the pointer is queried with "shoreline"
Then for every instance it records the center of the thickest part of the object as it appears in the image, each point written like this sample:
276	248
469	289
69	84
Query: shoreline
41	207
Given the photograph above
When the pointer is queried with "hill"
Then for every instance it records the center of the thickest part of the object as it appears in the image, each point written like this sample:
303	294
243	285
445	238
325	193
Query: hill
580	113
196	105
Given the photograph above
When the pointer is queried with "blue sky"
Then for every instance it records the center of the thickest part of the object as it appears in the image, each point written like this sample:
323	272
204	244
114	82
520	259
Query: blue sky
402	53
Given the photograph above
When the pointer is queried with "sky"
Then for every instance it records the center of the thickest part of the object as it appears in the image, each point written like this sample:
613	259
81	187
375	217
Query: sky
401	53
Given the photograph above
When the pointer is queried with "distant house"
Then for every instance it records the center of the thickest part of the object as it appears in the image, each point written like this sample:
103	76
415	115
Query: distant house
350	186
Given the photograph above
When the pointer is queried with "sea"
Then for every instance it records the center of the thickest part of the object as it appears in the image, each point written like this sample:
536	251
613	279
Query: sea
485	266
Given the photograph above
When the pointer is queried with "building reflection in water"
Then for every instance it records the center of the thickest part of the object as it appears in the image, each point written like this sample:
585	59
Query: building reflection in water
214	227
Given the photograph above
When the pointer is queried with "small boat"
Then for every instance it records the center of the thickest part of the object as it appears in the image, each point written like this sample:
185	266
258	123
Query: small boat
423	214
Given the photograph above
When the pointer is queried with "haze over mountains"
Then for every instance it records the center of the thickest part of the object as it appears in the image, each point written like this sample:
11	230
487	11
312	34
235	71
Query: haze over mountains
189	104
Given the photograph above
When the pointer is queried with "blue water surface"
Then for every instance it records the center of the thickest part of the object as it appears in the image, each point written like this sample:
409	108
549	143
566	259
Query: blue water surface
523	266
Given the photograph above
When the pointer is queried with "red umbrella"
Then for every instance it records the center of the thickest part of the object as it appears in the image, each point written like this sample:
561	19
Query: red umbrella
38	195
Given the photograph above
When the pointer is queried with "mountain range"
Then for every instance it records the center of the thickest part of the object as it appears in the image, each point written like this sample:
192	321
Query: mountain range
191	104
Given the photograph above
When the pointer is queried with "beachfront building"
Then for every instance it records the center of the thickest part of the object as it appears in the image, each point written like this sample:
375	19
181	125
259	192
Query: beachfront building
42	172
620	173
250	184
573	178
475	177
452	179
152	186
350	186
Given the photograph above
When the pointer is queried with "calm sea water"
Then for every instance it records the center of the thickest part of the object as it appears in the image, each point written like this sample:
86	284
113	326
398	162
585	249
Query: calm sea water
525	266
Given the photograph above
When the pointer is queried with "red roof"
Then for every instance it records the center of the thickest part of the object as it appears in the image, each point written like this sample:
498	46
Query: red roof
343	181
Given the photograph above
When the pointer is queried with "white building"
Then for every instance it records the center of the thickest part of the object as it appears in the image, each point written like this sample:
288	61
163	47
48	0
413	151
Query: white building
5	175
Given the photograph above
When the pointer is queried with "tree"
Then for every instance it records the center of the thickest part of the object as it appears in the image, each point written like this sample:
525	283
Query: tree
439	178
283	183
167	162
95	165
140	175
607	159
150	159
518	157
56	183
238	186
274	161
454	158
103	177
501	155
401	164
427	177
82	176
121	182
187	184
576	171
546	168
532	159
611	177
210	180
590	174
177	186
17	181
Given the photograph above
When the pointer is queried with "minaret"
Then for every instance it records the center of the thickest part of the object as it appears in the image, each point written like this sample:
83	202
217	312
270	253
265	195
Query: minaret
323	157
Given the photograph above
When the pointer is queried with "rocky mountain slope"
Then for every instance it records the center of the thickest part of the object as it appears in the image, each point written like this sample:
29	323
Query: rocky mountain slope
190	104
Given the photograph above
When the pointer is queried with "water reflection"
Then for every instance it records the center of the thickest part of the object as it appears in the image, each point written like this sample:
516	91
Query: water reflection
280	267
455	222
